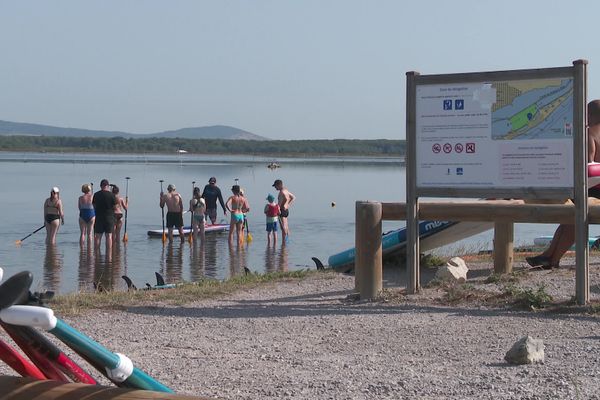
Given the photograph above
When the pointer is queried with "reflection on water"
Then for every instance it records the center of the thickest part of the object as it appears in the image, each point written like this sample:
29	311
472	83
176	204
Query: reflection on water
210	257
197	261
53	263
237	259
86	267
107	271
276	259
171	264
100	271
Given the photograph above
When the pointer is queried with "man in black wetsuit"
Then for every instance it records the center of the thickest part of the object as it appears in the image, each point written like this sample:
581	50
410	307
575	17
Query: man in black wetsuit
104	202
210	194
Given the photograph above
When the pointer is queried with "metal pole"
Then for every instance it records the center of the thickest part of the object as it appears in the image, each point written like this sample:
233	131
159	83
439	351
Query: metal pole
412	201
582	285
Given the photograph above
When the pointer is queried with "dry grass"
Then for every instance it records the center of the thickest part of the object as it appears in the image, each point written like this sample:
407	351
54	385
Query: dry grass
77	303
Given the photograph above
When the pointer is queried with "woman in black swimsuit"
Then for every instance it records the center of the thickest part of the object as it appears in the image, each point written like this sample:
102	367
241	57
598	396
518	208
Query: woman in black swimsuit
53	215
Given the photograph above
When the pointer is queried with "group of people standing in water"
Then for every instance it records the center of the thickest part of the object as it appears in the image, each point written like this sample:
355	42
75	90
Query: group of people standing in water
100	214
203	207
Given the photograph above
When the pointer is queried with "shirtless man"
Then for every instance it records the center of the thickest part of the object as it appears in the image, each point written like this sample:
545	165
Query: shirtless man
564	237
285	199
174	204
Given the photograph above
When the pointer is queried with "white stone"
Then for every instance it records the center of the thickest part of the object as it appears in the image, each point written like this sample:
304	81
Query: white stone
455	270
526	350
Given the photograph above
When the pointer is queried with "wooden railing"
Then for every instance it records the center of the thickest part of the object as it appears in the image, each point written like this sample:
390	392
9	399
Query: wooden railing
504	213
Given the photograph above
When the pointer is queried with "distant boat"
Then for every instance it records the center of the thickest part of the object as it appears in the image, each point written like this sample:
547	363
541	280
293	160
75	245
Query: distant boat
181	151
273	165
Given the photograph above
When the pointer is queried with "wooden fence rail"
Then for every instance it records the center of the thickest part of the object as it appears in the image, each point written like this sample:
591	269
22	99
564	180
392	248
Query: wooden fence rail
504	213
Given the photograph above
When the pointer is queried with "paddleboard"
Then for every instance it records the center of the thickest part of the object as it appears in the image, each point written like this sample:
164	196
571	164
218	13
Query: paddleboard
432	234
187	230
543	241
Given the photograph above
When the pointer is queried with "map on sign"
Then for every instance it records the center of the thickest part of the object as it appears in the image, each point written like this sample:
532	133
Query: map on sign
532	109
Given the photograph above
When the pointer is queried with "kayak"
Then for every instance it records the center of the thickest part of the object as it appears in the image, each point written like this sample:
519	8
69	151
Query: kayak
543	241
187	230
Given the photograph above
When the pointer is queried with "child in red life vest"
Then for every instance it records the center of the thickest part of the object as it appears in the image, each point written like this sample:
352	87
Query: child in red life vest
272	212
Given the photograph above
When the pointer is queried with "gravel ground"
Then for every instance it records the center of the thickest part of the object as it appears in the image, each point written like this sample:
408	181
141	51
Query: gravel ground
309	340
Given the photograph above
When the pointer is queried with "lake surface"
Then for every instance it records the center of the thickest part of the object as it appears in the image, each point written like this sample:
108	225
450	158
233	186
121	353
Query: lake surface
317	228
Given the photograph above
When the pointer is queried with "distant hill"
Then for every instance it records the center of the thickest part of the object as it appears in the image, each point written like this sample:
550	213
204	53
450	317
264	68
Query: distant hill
8	128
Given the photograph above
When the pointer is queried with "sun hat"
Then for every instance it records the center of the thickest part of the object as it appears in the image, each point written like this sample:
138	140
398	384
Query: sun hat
277	182
270	198
55	189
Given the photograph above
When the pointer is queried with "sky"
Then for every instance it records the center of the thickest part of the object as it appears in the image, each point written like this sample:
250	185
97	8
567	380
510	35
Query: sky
310	69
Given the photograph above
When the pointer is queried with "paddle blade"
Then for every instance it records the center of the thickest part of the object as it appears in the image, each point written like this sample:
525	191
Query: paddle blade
190	238
164	237
15	289
17	242
249	237
125	237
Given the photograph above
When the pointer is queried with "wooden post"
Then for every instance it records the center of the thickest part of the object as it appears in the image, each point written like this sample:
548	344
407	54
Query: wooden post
17	388
368	263
503	247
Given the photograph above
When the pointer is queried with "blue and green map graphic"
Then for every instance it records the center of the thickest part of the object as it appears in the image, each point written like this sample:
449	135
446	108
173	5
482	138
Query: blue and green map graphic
533	109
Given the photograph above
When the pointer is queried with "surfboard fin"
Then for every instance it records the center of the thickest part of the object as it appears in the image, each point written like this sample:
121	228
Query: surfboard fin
160	281
129	282
318	263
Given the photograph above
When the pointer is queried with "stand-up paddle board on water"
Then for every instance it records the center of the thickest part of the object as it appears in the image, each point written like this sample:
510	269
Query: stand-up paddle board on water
187	230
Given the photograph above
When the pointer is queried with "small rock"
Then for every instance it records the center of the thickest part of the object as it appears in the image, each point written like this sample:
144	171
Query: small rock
455	270
526	350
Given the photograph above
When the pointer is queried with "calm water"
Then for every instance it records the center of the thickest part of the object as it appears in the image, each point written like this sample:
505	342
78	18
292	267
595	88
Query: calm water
317	228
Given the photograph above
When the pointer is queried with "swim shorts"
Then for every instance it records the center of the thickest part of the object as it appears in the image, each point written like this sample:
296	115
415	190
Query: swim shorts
271	226
174	219
284	213
104	224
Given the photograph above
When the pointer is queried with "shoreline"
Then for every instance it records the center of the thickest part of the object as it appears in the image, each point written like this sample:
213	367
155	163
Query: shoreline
307	338
170	157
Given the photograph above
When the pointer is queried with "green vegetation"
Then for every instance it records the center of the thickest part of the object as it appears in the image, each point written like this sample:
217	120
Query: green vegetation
76	303
293	148
528	298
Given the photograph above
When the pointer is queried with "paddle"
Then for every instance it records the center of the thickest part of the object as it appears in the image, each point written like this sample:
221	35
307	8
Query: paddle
247	229
162	209
18	242
190	238
116	367
125	238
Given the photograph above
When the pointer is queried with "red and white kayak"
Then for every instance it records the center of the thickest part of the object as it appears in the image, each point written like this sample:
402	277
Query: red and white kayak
187	230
